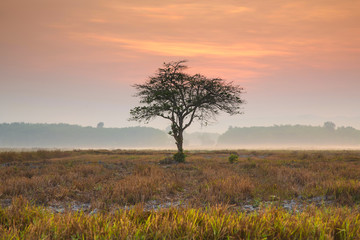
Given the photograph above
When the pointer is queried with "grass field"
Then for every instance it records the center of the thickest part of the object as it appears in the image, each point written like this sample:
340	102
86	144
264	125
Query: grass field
101	194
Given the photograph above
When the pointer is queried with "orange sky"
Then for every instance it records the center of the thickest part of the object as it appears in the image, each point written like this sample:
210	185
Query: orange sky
74	61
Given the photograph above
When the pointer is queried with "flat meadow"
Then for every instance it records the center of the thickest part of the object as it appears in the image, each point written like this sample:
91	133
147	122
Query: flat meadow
141	194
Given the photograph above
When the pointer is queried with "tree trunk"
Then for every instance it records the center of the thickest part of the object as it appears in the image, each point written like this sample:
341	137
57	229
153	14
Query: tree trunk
179	156
177	131
179	142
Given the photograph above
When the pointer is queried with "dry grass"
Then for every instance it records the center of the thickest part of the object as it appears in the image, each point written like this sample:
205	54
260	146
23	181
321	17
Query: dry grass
211	188
116	178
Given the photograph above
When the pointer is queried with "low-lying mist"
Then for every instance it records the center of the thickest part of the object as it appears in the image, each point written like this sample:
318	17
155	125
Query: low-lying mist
65	136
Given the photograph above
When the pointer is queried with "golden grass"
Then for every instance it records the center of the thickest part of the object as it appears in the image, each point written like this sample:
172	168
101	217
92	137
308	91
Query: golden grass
210	188
23	221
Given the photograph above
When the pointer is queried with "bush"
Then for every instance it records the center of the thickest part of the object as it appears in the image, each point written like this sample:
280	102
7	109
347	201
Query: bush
179	157
233	158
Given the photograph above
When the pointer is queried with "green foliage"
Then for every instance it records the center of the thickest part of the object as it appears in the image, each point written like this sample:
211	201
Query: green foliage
182	98
179	157
171	92
233	158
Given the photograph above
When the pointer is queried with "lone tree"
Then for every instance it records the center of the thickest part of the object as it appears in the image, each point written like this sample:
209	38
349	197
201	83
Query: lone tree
100	125
183	98
329	126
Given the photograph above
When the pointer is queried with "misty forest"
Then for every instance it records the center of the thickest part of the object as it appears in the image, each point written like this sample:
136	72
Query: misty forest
179	120
66	136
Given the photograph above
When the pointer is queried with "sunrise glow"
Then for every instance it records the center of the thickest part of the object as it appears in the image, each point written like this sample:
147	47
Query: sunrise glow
297	60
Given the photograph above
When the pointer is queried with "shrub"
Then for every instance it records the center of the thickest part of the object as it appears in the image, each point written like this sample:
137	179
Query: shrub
179	157
233	158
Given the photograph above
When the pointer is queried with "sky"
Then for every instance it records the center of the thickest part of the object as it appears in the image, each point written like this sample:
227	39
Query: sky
66	61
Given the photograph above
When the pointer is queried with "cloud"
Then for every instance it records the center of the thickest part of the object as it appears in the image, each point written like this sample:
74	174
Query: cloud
279	34
177	48
181	9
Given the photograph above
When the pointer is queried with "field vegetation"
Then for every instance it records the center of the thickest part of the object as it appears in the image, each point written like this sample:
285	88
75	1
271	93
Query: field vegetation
101	194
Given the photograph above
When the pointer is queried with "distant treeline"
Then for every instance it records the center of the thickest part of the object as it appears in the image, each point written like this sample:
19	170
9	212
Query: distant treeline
291	135
25	135
74	136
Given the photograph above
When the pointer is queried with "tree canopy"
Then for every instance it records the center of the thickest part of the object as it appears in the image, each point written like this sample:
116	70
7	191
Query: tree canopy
183	98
